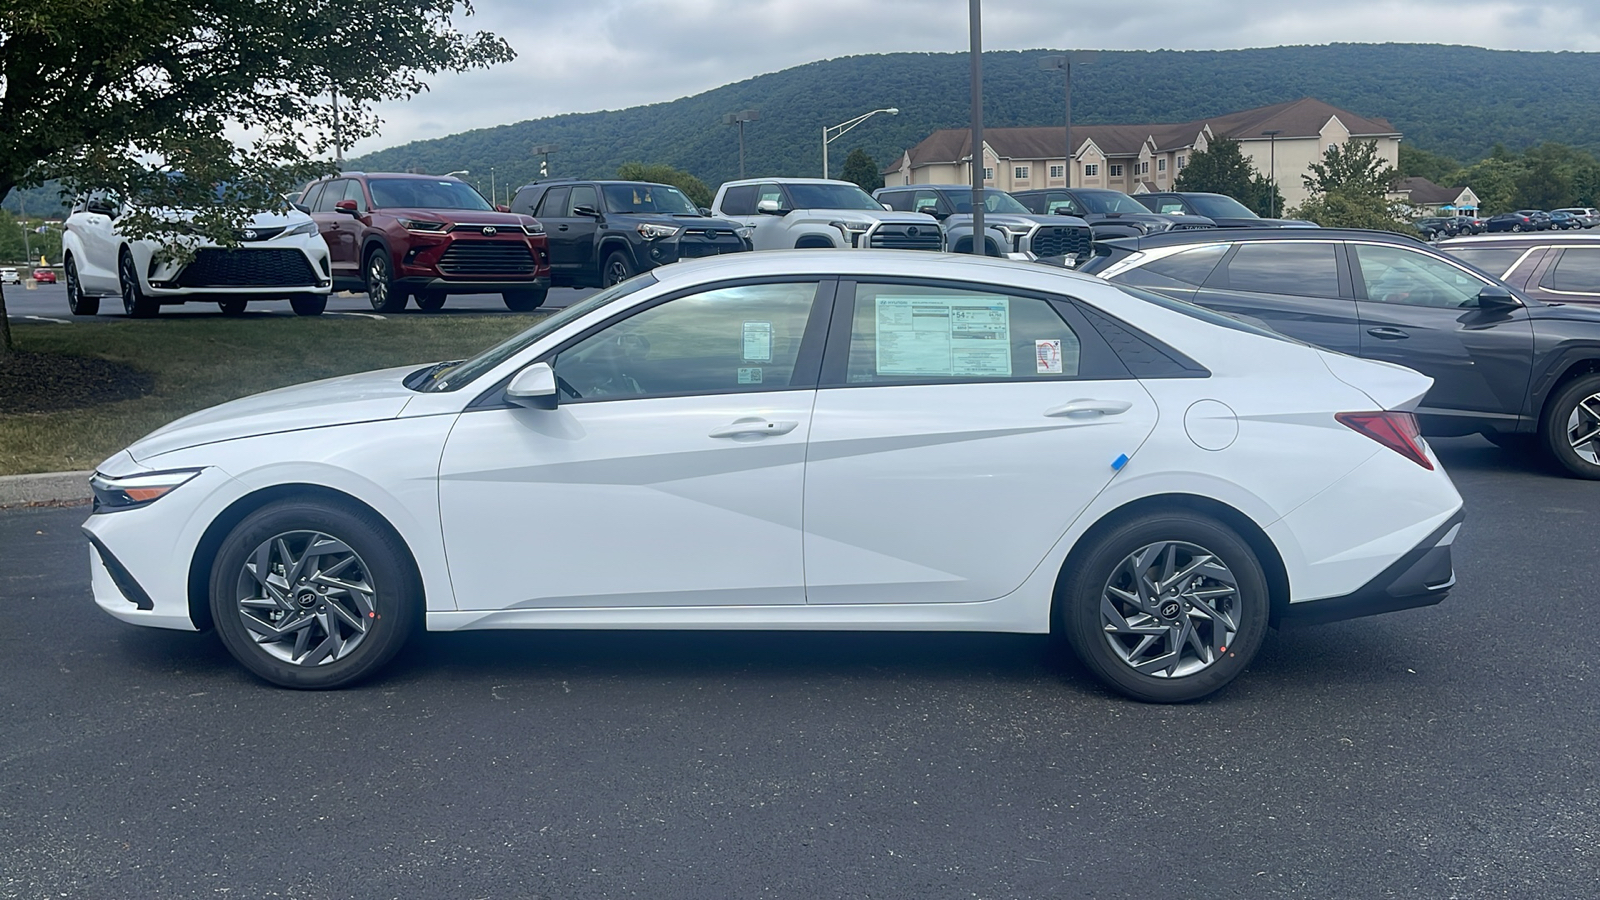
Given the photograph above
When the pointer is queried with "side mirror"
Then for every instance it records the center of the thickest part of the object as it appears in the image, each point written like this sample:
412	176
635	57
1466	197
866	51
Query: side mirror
301	206
703	211
887	207
348	207
533	387
586	211
770	208
1495	298
502	207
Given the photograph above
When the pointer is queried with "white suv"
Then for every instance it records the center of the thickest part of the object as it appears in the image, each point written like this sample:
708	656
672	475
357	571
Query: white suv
816	213
280	255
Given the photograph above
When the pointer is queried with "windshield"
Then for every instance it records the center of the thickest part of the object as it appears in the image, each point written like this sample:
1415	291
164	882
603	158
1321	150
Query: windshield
1105	202
425	193
993	201
455	377
1218	205
647	198
831	196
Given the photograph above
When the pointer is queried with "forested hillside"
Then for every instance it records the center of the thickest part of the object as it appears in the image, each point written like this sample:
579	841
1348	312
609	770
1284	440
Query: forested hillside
1457	101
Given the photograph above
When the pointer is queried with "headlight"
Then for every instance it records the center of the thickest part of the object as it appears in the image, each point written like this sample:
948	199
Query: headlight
420	225
136	490
852	231
302	228
1013	230
653	232
532	228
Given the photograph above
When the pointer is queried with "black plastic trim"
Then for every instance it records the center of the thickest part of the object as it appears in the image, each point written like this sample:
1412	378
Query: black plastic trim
1422	577
1117	332
120	576
465	286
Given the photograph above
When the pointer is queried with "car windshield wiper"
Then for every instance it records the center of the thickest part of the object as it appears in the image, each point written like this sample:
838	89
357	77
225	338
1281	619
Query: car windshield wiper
419	379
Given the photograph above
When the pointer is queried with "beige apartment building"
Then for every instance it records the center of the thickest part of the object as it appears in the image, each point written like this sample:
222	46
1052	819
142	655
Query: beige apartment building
1144	158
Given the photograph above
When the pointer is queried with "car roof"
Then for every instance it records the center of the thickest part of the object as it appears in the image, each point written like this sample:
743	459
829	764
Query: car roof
783	179
1233	235
1521	239
416	176
552	182
931	187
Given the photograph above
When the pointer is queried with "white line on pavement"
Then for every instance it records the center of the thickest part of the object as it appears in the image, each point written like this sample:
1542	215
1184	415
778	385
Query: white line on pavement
362	315
48	319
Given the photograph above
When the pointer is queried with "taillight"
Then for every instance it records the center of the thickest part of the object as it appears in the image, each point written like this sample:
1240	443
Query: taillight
1396	430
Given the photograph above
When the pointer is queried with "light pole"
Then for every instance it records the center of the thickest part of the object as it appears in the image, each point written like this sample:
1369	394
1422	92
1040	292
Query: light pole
1064	63
1272	165
544	150
338	136
739	118
975	34
839	130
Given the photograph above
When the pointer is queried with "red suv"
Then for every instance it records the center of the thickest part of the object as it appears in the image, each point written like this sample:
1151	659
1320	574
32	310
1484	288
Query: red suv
396	236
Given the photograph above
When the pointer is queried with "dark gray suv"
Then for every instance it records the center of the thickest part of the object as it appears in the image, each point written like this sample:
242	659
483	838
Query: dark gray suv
1506	365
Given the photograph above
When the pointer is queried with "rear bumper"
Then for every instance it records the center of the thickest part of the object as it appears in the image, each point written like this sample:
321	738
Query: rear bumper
1422	577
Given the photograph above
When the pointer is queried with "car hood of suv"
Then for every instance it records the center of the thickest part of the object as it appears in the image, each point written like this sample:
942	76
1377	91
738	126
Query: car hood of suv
346	400
458	216
683	219
868	216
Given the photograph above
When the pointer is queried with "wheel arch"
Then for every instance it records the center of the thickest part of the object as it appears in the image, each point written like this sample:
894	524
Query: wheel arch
205	552
1579	364
374	240
613	243
814	241
1267	554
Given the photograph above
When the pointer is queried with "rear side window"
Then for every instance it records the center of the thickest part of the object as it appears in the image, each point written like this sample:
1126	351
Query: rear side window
1185	270
1577	271
1497	261
1281	267
740	201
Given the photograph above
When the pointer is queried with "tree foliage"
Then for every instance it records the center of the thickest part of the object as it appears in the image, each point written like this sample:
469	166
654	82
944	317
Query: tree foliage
1353	167
863	170
694	188
142	97
1222	169
1415	161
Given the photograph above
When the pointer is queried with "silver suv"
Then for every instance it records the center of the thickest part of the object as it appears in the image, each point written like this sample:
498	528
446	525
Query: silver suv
801	213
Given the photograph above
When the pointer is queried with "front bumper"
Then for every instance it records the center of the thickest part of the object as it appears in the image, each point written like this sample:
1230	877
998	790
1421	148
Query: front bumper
415	283
1422	577
276	268
689	245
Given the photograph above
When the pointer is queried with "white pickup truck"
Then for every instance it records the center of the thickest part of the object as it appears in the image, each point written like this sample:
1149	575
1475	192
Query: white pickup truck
801	213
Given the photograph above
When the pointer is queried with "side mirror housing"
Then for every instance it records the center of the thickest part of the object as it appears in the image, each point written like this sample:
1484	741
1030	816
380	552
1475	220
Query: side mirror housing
770	208
1495	298
703	211
348	207
502	207
533	387
586	211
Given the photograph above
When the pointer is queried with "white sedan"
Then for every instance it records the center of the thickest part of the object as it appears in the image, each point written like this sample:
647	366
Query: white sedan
801	440
280	255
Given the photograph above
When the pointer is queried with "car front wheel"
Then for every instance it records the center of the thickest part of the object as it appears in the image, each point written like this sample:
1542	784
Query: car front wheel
381	289
80	304
308	304
1572	427
1166	607
313	595
525	301
134	301
618	268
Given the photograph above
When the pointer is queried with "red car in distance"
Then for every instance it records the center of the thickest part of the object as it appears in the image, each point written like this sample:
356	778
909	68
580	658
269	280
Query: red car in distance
44	276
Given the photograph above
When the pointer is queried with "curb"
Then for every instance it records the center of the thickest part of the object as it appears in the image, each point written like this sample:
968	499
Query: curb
47	489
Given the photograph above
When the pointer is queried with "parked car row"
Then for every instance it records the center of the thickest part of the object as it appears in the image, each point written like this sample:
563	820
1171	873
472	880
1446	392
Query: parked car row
1437	228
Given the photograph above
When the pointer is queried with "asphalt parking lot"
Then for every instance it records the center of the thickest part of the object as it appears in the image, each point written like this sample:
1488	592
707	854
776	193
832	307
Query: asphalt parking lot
1444	752
48	303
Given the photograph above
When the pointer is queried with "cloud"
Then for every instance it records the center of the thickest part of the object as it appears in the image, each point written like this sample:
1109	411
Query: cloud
611	54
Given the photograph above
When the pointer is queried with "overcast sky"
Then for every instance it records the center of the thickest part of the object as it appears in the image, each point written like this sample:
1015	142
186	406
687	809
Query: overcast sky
586	55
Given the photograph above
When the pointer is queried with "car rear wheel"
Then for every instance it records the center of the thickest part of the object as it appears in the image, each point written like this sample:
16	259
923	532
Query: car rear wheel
233	306
80	304
525	301
1166	607
381	289
312	595
134	301
618	268
431	301
1516	228
1572	427
308	304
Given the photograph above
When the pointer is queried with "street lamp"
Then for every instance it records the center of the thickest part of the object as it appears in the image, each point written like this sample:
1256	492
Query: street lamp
1064	63
839	130
1272	156
739	118
544	150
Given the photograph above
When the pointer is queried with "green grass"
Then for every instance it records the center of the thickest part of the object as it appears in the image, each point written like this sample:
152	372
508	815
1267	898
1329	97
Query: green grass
203	362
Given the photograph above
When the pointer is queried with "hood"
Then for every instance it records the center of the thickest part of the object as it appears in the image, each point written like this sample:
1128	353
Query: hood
685	220
1017	219
504	220
869	215
366	397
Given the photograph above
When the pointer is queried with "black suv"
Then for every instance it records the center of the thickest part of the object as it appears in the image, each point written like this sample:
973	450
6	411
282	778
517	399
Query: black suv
1109	213
1225	211
603	232
1504	364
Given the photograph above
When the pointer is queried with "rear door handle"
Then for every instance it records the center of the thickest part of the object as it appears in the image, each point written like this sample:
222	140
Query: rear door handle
1388	334
753	426
1084	408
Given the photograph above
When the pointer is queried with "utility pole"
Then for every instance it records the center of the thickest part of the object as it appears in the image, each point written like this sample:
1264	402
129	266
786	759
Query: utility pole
1063	63
1272	154
22	219
338	135
739	118
975	28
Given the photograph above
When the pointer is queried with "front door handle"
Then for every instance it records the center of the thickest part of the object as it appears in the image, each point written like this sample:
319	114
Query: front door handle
754	426
561	228
1084	408
1388	334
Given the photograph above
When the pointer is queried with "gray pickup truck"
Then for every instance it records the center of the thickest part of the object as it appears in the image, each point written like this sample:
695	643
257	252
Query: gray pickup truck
1009	227
802	213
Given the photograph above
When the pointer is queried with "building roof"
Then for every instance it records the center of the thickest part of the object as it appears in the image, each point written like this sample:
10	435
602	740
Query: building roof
1421	190
1297	118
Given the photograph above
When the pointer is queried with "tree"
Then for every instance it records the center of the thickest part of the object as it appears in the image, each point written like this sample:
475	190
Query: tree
658	173
1415	161
1354	167
139	96
1352	209
863	170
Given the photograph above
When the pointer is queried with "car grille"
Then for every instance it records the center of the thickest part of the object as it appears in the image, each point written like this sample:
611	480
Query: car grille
1062	240
259	234
698	242
215	267
473	258
906	237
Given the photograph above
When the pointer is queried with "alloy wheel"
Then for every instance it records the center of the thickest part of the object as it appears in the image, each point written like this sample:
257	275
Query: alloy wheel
1583	429
378	280
1170	609
306	598
617	272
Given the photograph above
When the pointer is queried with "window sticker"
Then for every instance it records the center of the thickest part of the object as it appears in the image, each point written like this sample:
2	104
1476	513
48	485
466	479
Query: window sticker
750	375
758	341
1047	356
967	336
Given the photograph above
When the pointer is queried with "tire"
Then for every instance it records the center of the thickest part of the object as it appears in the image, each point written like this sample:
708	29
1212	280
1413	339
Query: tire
80	304
134	301
233	306
1571	427
294	634
618	268
525	301
1110	633
381	289
308	304
431	301
1517	227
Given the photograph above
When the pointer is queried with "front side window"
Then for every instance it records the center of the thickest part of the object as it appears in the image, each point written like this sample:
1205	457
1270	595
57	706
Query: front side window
584	196
727	340
332	192
353	192
1286	267
907	334
1576	272
554	203
740	200
1221	205
1399	275
1062	205
769	193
